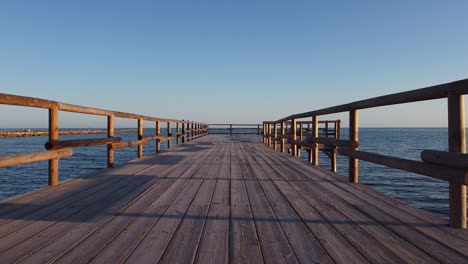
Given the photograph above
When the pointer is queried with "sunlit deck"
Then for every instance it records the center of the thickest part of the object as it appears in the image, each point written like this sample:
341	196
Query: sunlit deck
221	199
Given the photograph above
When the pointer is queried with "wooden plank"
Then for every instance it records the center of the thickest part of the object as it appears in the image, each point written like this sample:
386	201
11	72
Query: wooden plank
440	246
157	197
306	247
336	245
408	210
191	228
120	192
155	242
54	249
16	207
214	245
275	246
244	247
129	238
394	243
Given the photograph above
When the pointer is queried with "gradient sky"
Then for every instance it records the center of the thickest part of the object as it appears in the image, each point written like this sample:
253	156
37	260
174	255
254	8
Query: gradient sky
229	61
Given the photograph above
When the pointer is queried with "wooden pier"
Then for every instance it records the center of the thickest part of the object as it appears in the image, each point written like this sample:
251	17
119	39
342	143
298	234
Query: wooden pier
236	198
221	199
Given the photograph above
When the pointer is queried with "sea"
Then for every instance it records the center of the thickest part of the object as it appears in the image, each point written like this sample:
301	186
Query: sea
420	191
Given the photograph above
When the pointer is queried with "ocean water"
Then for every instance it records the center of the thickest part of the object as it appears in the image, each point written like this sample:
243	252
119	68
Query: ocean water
420	191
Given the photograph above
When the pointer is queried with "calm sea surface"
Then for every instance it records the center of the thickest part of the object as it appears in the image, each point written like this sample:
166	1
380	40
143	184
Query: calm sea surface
421	191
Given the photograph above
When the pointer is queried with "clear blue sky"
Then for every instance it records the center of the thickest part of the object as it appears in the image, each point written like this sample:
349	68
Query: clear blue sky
229	61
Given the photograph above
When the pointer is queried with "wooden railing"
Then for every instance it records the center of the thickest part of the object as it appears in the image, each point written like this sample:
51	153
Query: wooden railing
235	129
328	131
56	149
450	166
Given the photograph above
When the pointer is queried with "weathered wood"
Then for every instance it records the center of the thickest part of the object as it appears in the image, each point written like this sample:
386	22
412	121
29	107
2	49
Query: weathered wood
177	133
62	132
333	159
83	110
457	144
158	134
338	129
440	172
331	142
169	131
443	158
75	143
294	138
214	245
283	141
13	160
276	209
110	134
347	200
313	157
184	133
53	136
353	136
129	144
9	99
423	94
170	190
275	136
140	137
157	138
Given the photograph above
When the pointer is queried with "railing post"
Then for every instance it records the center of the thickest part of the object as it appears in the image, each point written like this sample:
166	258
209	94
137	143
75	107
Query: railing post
334	149
178	128
294	137
270	142
338	130
169	134
354	136
315	149
283	130
53	136
258	129
110	134
184	132
158	133
264	133
192	132
275	136
457	143
140	137
333	159
230	129
326	129
301	137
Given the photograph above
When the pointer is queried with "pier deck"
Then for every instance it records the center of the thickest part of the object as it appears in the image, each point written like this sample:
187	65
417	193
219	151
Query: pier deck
221	199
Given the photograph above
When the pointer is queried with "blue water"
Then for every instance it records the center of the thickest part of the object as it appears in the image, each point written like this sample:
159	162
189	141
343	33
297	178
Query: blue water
25	178
420	191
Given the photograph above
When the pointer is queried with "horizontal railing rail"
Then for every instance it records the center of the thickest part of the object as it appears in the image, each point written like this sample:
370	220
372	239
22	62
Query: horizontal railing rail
449	166
235	129
185	131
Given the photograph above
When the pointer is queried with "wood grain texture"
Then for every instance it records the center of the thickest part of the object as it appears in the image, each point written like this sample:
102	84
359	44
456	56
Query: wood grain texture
221	199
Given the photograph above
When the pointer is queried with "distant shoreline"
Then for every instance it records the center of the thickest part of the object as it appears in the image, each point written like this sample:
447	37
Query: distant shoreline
42	133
